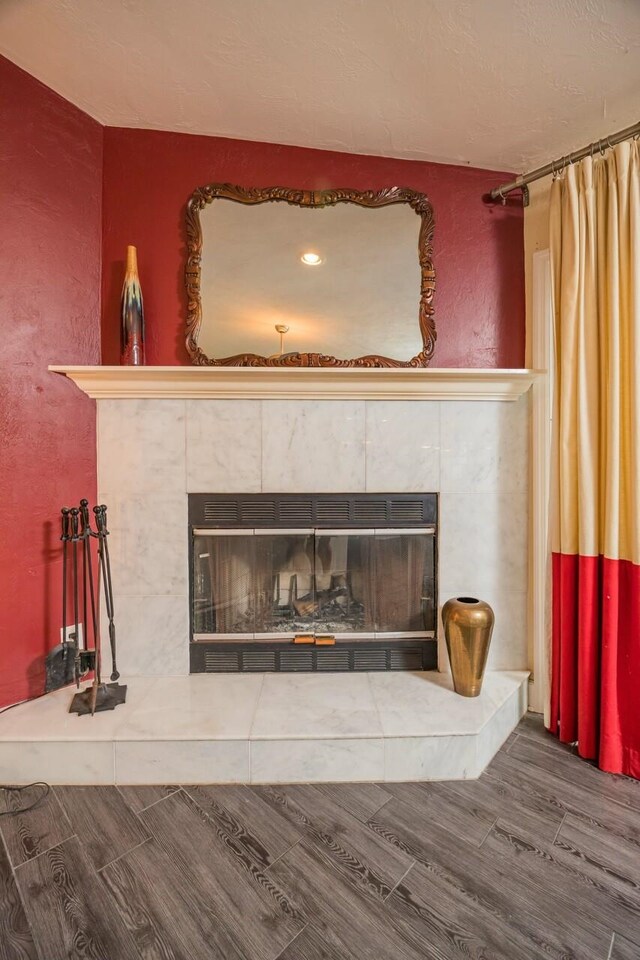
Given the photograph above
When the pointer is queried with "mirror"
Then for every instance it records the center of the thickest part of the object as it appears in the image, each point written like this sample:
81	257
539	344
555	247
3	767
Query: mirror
335	278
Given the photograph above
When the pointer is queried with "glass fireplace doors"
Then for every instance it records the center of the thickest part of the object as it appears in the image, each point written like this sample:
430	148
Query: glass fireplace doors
276	584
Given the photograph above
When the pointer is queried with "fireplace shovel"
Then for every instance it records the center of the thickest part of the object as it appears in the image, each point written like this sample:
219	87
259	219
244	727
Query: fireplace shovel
59	663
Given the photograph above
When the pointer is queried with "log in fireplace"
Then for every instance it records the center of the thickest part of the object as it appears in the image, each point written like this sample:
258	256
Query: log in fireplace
304	582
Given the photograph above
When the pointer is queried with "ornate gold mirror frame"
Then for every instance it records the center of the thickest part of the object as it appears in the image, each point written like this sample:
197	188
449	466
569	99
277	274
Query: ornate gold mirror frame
309	198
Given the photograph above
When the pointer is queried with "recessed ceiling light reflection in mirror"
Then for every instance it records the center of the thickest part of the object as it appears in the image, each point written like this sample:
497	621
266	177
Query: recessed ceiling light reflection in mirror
311	259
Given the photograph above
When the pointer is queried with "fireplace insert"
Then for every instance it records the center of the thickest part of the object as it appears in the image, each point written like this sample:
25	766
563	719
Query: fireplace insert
313	582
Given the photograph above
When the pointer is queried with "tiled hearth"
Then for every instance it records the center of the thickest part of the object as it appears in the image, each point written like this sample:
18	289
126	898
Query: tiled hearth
276	728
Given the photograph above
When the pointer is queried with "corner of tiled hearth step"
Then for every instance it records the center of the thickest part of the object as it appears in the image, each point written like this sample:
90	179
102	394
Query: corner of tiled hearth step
267	728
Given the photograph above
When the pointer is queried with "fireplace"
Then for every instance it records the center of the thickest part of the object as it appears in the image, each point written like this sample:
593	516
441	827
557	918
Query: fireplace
334	582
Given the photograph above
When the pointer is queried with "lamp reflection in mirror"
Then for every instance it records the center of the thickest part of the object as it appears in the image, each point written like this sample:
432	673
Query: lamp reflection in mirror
282	328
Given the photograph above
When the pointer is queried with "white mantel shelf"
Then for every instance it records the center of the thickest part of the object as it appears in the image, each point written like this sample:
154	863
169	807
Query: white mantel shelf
298	383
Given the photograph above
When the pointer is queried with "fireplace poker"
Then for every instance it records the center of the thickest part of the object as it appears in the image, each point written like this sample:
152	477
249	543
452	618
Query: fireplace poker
86	533
105	564
91	695
75	539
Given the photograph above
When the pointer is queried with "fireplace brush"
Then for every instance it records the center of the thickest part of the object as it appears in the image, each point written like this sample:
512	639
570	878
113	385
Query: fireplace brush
71	660
59	663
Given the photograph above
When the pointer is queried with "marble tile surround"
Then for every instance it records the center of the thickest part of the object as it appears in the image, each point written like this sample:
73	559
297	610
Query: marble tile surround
260	728
151	453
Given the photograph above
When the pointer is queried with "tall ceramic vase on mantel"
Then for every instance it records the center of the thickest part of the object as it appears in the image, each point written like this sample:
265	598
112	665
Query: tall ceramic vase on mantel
132	313
468	625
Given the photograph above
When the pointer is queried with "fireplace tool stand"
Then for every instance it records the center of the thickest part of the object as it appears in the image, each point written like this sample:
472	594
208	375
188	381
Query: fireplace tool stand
99	696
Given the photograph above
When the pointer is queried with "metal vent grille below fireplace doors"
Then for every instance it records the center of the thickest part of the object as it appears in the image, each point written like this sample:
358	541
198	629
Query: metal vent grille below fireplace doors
292	660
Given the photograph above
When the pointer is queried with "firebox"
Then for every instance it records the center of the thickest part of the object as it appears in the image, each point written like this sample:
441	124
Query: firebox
305	582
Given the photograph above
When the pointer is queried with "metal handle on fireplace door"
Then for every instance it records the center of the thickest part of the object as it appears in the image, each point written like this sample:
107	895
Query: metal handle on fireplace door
405	531
376	532
307	531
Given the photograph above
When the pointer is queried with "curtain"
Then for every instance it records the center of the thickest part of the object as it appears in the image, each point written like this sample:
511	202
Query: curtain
400	563
595	495
231	570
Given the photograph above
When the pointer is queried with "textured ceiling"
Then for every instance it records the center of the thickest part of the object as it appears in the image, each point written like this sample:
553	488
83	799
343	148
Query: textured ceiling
494	83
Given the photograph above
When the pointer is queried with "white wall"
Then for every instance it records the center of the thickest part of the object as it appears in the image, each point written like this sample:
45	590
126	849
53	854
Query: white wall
539	353
536	237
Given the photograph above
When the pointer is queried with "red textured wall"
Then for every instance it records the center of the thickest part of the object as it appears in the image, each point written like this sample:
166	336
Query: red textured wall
149	175
66	185
50	244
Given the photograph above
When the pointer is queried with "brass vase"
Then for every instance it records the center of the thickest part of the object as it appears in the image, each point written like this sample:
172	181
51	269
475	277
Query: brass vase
468	625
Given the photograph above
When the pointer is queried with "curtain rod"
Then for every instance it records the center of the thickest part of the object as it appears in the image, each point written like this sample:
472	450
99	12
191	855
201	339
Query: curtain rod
520	183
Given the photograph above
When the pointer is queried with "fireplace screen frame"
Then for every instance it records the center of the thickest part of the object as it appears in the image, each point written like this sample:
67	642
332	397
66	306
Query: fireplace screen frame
321	514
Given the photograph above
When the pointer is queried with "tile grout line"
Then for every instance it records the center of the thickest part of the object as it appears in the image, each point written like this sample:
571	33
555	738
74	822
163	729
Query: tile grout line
185	413
255	710
374	699
117	786
515	740
250	740
398	882
292	941
366	438
250	744
488	832
61	843
160	799
378	809
149	805
558	830
130	850
97	449
3	845
261	418
288	850
61	806
382	736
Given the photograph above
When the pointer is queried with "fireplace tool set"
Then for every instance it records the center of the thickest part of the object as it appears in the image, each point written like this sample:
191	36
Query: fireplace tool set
74	659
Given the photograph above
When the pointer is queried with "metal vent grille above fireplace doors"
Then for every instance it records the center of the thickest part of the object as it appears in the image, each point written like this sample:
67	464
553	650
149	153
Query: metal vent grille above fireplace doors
304	510
312	582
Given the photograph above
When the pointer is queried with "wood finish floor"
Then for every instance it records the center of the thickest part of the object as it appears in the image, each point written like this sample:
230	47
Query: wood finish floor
539	858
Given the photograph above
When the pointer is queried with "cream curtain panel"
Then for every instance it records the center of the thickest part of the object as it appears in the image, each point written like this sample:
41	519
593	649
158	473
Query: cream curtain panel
595	484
